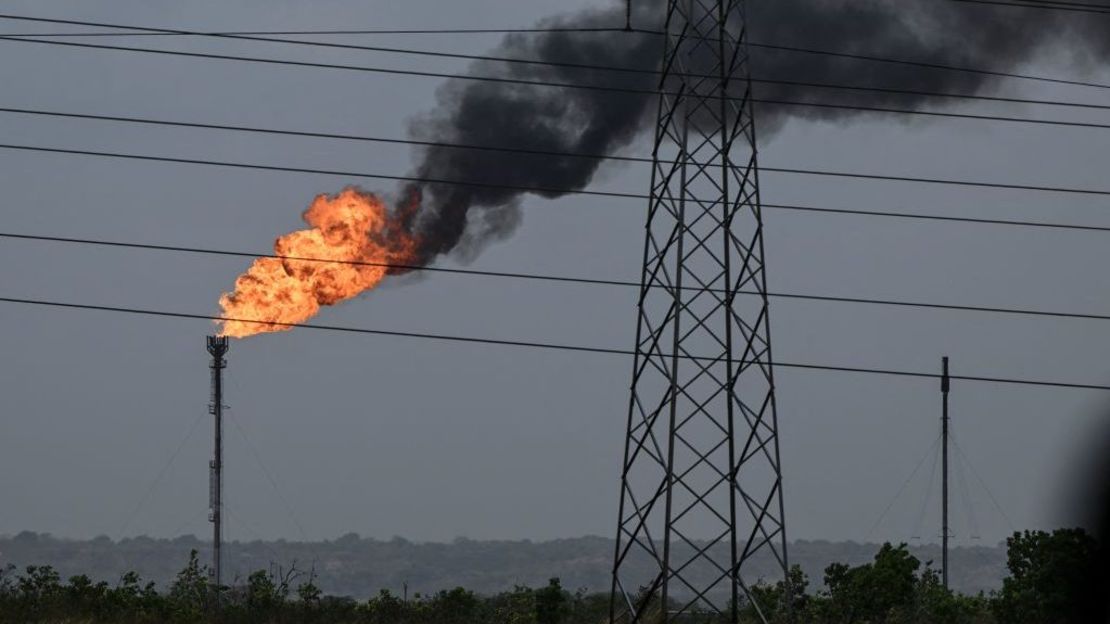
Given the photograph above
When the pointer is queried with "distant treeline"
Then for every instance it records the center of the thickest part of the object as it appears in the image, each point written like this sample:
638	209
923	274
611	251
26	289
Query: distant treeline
1048	574
359	567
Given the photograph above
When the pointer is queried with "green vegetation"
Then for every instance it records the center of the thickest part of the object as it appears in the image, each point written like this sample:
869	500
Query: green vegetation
38	595
358	567
1046	575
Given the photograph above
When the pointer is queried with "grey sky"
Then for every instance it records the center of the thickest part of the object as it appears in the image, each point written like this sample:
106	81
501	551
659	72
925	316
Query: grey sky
391	436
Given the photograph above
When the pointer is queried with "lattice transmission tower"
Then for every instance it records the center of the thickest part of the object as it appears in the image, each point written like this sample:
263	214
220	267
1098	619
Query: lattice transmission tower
701	482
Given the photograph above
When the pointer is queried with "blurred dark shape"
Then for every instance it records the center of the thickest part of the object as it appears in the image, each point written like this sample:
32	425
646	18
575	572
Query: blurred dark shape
1093	507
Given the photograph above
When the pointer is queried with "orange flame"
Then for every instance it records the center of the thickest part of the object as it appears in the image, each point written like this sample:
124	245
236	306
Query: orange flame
351	226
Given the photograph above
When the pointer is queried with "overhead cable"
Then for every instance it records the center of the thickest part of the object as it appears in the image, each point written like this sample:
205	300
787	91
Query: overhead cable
553	278
1074	7
563	85
584	66
639	31
547	189
559	347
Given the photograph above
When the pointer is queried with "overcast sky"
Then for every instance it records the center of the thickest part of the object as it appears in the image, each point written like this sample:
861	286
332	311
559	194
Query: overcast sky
430	440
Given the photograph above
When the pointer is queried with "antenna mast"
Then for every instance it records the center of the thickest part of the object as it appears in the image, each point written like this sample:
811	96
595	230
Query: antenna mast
944	385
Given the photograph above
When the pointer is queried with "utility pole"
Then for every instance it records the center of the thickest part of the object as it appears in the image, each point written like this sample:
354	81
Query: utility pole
944	385
217	347
701	481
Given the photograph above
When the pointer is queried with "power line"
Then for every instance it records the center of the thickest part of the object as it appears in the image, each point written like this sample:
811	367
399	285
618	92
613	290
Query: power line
928	65
346	46
640	31
347	137
388	265
561	85
584	66
626	28
505	149
325	32
553	346
359	68
933	217
941	114
1066	3
1056	6
544	189
811	209
320	135
946	181
192	161
910	62
781	48
936	94
939	306
555	278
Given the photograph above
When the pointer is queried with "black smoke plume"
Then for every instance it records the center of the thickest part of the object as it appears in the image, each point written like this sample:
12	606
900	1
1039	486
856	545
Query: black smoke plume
942	32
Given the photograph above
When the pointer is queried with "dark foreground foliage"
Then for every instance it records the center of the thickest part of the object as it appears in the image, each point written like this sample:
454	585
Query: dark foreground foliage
1046	573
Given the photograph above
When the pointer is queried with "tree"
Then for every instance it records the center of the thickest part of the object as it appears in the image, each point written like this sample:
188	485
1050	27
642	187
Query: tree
1048	575
189	592
552	603
772	599
130	597
36	592
263	594
872	592
934	603
308	592
516	607
457	606
385	608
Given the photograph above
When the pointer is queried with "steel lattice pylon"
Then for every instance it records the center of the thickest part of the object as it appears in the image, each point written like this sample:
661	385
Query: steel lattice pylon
701	484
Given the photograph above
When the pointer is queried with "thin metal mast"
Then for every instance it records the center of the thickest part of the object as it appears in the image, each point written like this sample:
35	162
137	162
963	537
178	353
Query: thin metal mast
944	384
217	346
701	481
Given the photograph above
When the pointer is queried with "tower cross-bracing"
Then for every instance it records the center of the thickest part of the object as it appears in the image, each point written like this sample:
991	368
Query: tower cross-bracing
701	481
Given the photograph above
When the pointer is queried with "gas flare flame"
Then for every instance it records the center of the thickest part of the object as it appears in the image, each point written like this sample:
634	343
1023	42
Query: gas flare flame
319	266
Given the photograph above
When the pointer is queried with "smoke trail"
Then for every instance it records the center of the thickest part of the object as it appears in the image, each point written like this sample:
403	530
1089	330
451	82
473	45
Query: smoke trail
461	219
531	118
930	31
